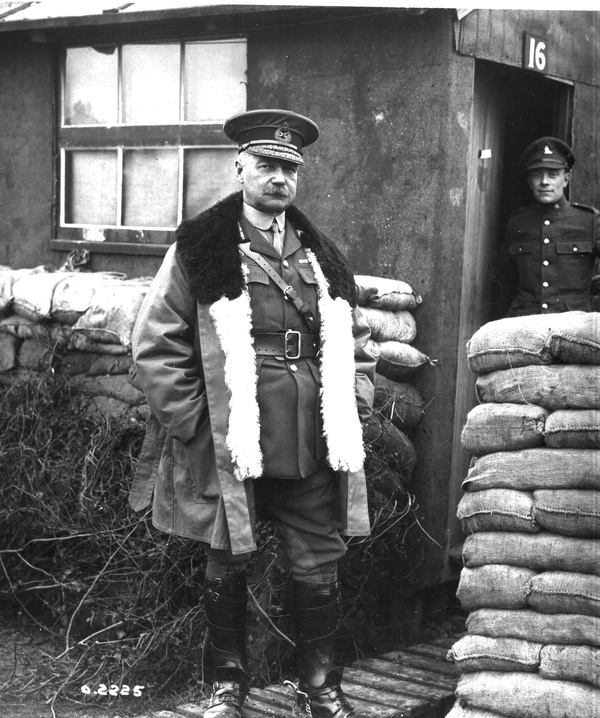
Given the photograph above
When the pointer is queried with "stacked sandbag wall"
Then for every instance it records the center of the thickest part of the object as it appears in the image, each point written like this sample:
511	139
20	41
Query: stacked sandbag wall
80	323
76	323
531	514
388	306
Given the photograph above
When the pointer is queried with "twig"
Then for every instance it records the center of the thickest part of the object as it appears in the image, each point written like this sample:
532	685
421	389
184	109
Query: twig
269	621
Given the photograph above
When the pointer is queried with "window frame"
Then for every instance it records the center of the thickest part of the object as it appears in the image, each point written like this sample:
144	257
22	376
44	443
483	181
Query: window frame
184	136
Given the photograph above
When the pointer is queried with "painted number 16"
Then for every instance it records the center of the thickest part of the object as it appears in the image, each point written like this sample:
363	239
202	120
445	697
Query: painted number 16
535	53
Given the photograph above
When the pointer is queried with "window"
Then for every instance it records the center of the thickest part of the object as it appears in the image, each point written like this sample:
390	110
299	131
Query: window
140	136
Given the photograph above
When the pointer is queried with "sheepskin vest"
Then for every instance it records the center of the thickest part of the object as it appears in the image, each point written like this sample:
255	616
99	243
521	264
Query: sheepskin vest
207	247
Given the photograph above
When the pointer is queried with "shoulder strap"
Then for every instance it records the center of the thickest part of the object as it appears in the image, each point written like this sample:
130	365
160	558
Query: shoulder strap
288	291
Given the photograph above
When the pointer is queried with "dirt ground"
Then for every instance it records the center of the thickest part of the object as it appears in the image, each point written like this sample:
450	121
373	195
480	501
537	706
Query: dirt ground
25	650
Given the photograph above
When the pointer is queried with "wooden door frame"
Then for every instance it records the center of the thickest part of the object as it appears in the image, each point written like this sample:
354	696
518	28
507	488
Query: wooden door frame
482	227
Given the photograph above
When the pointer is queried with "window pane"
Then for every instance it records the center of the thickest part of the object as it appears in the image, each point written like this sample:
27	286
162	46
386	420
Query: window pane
215	78
91	187
150	187
151	84
91	87
209	175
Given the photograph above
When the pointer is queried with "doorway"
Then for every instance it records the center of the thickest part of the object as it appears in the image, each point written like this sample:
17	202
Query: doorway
534	106
511	108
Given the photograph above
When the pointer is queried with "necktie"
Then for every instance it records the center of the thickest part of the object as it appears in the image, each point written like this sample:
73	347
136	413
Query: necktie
277	237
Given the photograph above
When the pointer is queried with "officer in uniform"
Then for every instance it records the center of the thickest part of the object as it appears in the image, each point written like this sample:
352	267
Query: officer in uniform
553	242
255	362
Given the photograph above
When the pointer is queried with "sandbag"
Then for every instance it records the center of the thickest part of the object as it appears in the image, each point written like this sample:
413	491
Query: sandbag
482	653
73	296
81	342
527	695
397	360
384	293
32	294
35	354
9	349
399	402
462	711
571	512
503	427
570	337
553	387
56	335
381	435
543	551
94	364
112	314
564	592
494	586
571	663
563	629
497	510
575	337
508	343
384	325
8	277
573	429
538	468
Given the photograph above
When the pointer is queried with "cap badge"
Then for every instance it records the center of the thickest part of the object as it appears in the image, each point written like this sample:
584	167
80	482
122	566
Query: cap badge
547	150
283	134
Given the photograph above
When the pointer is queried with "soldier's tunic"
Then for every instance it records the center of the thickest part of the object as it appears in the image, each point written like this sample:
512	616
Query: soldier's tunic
554	248
292	441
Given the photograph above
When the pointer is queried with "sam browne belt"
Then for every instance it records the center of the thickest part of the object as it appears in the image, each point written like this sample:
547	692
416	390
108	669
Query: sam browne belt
289	345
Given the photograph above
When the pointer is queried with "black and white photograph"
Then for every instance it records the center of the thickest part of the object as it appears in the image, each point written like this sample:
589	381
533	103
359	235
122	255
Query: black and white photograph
299	360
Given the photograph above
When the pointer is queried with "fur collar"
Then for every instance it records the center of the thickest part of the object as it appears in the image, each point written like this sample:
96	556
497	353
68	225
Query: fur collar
207	249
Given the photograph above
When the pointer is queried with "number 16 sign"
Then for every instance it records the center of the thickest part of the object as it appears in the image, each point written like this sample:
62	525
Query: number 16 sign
535	53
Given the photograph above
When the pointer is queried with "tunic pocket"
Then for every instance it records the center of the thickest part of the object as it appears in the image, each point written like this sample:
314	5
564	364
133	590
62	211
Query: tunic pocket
574	247
256	274
518	248
307	273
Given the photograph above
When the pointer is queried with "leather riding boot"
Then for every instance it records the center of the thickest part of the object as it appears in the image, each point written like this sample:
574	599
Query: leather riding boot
316	613
225	601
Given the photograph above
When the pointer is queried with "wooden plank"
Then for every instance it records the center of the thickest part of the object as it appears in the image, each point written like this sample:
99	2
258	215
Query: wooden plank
404	657
419	675
497	35
436	652
385	704
389	680
408	705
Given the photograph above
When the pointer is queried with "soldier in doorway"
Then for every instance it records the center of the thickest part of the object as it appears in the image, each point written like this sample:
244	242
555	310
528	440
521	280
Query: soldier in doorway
552	242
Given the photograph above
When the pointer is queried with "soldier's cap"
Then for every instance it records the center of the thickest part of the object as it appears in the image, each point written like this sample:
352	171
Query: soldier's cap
272	133
547	152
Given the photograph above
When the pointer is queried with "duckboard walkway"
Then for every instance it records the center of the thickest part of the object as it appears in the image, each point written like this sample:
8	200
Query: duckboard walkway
414	682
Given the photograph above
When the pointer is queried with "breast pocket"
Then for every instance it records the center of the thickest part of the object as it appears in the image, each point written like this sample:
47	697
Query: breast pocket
518	249
256	275
523	254
307	274
574	248
575	261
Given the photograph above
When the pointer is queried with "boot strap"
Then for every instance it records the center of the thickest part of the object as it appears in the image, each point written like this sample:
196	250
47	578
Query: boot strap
225	692
337	699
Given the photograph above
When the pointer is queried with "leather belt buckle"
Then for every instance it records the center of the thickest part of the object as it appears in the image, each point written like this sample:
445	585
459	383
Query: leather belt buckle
292	336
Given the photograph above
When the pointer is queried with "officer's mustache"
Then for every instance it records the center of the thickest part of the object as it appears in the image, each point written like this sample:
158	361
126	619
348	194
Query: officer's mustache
277	192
